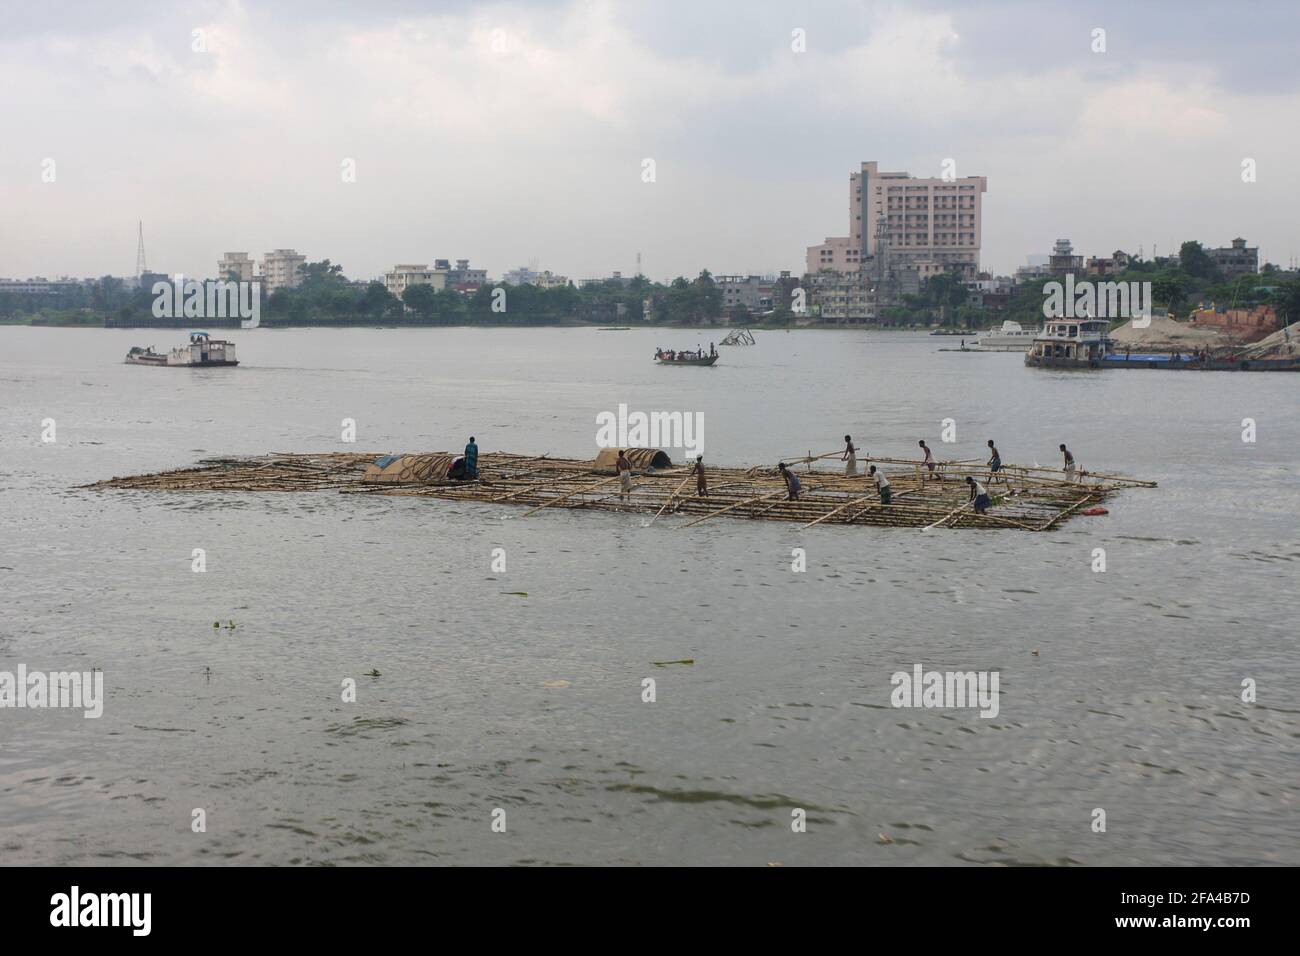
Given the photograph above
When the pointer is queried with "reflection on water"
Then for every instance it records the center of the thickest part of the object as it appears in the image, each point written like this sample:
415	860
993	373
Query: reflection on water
1118	690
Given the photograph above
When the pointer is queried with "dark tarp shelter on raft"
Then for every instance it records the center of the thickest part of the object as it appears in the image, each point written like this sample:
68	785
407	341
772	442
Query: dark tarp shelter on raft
415	469
642	459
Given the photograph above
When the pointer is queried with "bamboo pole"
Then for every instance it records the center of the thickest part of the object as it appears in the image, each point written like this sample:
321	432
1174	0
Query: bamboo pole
531	485
746	501
1053	520
578	491
948	515
836	511
670	500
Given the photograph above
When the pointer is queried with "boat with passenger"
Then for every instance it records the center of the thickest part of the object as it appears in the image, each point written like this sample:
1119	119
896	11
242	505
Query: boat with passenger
698	357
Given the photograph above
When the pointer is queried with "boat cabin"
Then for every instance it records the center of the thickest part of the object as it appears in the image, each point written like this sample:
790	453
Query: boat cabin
1070	342
203	350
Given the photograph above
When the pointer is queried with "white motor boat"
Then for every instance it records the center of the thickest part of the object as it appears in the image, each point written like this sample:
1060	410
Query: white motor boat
1010	338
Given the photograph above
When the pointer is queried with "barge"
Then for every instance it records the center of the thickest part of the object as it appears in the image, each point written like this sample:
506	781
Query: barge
203	351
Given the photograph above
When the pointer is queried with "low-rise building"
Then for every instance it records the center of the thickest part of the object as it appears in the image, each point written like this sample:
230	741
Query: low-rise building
617	278
404	275
521	276
464	279
744	292
1117	261
549	280
840	297
1236	259
39	285
1035	267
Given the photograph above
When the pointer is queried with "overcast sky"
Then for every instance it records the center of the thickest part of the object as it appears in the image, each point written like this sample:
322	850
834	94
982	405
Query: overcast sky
507	133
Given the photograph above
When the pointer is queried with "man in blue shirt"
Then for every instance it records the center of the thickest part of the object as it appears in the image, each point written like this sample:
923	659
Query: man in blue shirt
471	460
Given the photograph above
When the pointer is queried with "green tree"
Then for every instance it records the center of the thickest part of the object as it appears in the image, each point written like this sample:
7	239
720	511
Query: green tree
1288	302
420	299
1196	262
376	301
1169	288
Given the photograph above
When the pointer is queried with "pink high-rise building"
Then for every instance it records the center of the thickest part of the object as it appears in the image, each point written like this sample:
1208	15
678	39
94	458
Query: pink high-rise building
931	225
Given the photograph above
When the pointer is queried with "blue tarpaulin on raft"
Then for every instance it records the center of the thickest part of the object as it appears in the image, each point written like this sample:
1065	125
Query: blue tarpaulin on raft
386	460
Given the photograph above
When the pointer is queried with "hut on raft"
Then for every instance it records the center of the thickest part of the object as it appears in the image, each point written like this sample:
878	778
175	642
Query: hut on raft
642	460
1023	497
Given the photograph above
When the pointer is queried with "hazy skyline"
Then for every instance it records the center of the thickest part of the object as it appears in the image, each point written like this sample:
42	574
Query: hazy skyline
505	133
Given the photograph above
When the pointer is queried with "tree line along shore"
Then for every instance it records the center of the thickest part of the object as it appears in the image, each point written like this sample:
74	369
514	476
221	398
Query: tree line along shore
325	297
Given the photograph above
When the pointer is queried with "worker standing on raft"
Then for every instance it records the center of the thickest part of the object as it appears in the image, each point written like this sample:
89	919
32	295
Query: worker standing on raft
882	484
471	460
979	494
995	461
624	469
850	457
701	483
1069	463
791	481
929	460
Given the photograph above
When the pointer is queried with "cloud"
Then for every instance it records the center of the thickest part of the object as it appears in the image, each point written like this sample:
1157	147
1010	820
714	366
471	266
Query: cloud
509	132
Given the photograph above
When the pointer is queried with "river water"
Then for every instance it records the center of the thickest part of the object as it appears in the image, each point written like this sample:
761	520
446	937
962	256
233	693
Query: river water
1119	690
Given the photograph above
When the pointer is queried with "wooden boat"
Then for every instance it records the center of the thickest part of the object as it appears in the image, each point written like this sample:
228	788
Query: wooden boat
147	356
692	358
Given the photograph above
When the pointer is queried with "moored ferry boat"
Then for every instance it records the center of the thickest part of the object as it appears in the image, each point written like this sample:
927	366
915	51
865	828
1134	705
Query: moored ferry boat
203	351
1012	337
1070	343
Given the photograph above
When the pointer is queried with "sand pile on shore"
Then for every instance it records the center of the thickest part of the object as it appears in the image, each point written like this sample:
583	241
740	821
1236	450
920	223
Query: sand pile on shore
1166	335
1284	343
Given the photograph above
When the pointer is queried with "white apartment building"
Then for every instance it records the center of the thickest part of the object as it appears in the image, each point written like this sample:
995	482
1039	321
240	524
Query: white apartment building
238	265
281	269
928	224
404	275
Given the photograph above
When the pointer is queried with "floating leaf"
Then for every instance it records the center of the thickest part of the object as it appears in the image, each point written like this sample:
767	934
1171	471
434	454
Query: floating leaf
687	660
516	593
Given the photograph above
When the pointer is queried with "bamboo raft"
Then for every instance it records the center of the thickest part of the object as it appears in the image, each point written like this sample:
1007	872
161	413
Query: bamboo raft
1029	499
